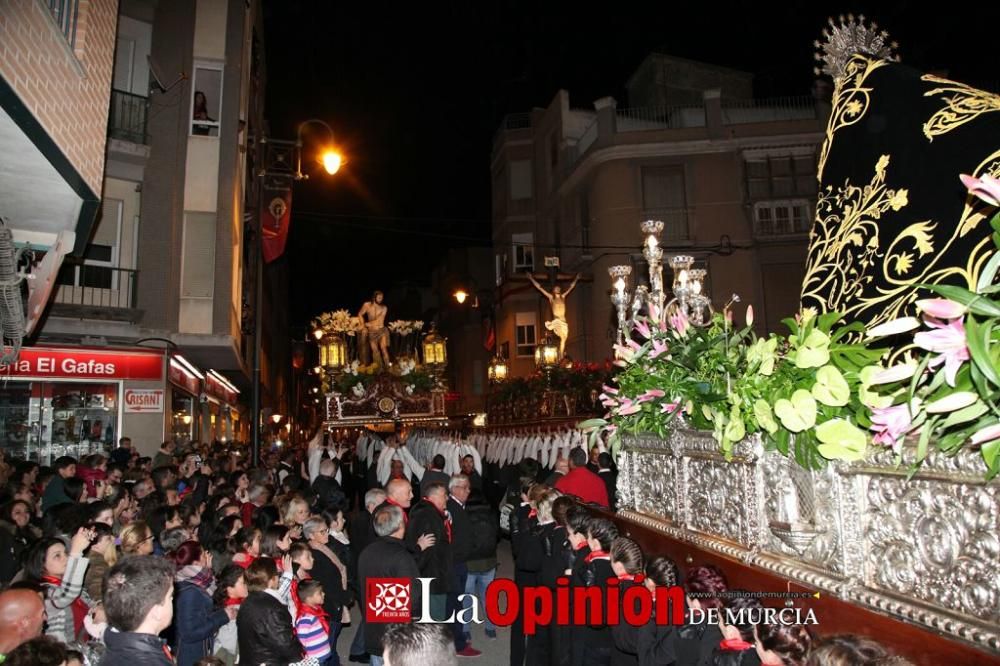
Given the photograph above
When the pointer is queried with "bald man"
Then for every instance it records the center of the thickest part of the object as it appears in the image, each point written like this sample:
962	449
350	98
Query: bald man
22	616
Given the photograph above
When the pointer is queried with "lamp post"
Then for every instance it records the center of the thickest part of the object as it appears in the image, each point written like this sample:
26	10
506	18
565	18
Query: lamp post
547	355
278	174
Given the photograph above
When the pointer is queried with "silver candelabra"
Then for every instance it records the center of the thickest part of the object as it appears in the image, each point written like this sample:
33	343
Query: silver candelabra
687	287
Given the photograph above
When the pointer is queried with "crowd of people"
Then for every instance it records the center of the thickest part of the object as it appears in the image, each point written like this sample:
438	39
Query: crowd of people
197	558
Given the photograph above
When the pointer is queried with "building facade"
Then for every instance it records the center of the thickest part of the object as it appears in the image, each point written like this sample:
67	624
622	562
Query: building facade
732	178
168	270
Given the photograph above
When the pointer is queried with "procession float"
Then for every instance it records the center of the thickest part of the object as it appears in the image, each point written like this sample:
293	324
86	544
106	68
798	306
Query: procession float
854	459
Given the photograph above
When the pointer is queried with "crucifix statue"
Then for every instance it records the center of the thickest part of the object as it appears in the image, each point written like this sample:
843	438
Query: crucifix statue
557	300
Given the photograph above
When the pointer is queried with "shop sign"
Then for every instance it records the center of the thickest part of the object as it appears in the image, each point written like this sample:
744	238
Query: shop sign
216	389
44	362
184	380
143	401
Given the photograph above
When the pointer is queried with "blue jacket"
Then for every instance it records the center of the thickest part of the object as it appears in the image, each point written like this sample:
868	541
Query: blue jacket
196	622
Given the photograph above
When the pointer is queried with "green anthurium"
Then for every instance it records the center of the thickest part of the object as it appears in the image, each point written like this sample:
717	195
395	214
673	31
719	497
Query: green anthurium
797	414
764	352
830	388
814	351
868	398
735	430
765	417
841	440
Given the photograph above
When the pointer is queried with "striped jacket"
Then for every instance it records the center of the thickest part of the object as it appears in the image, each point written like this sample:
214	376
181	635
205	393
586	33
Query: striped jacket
315	641
59	600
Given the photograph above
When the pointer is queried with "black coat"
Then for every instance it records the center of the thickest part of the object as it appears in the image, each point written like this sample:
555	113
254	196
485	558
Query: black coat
657	644
196	621
593	639
264	631
327	573
362	533
126	648
329	495
484	530
435	562
387	557
461	532
557	555
433	476
626	652
695	643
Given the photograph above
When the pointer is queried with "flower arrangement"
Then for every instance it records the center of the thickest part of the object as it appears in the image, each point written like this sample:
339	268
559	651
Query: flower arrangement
338	321
815	394
406	327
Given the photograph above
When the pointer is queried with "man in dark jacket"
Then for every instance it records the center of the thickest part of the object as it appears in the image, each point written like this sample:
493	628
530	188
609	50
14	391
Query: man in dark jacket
264	626
363	534
329	495
387	557
430	516
139	603
461	546
434	475
610	478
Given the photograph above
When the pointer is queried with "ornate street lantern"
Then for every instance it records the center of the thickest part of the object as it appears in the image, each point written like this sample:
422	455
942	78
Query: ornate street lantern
547	353
435	348
333	352
498	370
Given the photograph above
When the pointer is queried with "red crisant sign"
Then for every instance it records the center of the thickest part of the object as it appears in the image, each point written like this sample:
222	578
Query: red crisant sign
46	362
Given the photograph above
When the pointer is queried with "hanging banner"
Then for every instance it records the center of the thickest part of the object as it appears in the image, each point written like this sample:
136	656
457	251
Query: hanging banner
276	215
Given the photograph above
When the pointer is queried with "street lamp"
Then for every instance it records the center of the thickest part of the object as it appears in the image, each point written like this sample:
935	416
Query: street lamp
498	369
278	174
461	295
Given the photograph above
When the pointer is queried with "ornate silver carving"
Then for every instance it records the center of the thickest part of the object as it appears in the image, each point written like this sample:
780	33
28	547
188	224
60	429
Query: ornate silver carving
925	550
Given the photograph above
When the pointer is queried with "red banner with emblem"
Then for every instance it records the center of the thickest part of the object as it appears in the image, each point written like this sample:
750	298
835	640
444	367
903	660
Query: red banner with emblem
276	215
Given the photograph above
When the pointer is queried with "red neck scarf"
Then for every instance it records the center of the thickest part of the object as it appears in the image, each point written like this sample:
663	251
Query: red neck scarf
735	645
444	516
596	555
232	601
406	518
302	608
79	606
580	546
635	578
533	513
244	559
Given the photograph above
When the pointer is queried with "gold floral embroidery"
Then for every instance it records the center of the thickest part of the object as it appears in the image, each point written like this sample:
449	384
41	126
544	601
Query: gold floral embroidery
850	102
964	104
847	258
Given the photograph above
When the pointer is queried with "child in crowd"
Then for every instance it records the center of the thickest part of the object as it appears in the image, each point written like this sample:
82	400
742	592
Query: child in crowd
312	625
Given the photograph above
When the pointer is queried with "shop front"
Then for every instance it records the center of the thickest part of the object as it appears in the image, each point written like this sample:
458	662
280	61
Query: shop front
72	401
185	401
222	405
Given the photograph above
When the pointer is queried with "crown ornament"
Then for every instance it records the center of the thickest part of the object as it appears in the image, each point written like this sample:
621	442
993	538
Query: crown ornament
848	36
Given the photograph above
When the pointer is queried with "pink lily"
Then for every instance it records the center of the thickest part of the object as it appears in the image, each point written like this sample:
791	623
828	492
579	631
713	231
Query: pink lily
658	348
986	435
630	409
749	317
948	341
670	407
679	322
624	354
650	395
610	390
942	308
608	401
896	373
890	424
986	188
642	328
635	346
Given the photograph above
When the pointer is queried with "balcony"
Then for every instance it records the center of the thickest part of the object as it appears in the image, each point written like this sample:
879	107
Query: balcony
660	118
93	291
774	109
127	117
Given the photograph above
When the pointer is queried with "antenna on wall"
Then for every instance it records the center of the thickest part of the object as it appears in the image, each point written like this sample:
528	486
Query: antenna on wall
157	83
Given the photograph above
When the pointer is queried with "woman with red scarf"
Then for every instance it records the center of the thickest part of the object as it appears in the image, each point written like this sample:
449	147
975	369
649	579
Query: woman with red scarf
247	542
230	591
195	618
61	576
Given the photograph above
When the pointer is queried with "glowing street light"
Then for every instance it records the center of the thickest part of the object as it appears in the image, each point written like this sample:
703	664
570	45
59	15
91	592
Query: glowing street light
461	295
332	161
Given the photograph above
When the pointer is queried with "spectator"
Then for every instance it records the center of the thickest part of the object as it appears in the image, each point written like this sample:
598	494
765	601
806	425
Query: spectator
312	623
61	576
435	474
165	456
196	621
55	491
417	645
247	543
263	625
430	516
387	557
22	616
123	454
329	495
461	542
230	592
362	532
16	535
139	602
136	539
582	482
330	570
40	651
607	473
102	556
484	531
468	467
782	644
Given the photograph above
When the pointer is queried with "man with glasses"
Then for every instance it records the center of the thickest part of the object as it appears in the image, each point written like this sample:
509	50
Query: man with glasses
459	490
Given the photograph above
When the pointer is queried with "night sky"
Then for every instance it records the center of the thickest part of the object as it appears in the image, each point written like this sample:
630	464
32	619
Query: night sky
415	92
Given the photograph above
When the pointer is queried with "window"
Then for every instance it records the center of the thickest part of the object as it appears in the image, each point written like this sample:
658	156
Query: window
526	325
501	268
664	198
66	13
775	218
520	180
524	252
206	100
782	176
